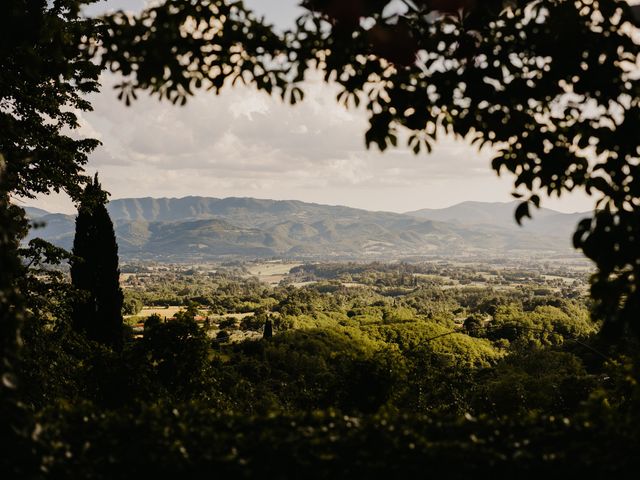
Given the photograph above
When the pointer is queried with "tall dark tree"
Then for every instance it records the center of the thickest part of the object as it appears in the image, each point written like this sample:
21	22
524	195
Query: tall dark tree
268	329
94	270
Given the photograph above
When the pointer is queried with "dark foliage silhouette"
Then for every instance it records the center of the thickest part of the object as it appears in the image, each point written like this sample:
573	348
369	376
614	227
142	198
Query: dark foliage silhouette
94	271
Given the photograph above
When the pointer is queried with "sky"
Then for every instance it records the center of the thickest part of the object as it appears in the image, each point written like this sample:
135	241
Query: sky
245	144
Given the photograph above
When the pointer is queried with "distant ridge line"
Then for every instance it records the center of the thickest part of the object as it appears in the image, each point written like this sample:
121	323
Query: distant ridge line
195	228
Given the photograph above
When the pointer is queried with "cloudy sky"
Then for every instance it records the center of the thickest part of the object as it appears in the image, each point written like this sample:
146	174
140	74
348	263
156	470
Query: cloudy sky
243	143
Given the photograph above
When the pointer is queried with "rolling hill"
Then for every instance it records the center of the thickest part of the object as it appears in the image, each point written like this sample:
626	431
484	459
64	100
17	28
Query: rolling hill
201	228
545	221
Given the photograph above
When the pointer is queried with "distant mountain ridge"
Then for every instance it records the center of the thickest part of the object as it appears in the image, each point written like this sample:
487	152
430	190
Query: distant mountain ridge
476	213
545	221
240	209
34	212
201	228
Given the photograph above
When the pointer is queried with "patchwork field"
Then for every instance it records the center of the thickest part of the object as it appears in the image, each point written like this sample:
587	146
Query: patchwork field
271	272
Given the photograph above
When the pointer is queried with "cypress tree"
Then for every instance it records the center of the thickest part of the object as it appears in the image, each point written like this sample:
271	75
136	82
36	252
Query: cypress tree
94	270
268	329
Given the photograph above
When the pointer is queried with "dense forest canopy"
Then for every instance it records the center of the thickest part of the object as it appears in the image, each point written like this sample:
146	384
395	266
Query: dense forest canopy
366	372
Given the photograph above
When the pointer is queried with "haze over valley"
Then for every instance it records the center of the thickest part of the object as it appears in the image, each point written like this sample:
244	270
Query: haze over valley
204	228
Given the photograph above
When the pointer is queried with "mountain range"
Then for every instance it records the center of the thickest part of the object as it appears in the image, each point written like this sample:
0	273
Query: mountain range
202	228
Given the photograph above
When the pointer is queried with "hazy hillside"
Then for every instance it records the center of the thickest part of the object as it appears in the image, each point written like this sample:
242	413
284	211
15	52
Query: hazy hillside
250	212
197	228
58	229
544	221
34	213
